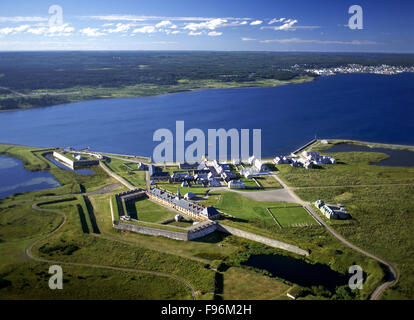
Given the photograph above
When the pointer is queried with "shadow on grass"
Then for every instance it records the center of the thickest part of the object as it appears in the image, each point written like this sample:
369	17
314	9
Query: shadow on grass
131	209
91	213
82	219
214	237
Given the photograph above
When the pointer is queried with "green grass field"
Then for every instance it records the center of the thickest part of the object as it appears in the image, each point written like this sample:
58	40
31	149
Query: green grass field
146	210
268	182
383	213
136	178
293	217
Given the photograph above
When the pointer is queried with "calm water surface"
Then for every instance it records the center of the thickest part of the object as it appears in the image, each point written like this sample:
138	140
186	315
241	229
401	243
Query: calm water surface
397	158
61	165
14	178
367	107
298	271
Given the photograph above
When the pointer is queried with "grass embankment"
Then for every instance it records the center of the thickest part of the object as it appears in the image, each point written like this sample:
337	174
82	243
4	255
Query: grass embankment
293	217
136	178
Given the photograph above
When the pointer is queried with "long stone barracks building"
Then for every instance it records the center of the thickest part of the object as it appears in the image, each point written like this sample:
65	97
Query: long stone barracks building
74	163
176	202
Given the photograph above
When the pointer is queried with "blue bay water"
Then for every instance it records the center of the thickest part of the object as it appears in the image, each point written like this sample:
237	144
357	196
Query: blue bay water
377	108
14	178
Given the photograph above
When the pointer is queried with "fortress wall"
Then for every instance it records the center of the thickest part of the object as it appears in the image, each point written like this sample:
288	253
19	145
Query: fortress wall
267	241
201	233
62	158
183	236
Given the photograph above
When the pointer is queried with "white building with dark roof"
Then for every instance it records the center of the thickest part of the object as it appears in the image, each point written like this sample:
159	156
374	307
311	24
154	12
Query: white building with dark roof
236	184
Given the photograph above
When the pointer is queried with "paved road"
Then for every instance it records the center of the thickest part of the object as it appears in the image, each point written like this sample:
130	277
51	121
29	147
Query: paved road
392	272
63	221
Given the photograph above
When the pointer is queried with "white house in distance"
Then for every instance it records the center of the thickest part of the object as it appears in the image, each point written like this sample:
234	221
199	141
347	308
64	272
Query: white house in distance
236	184
316	158
256	164
236	162
306	160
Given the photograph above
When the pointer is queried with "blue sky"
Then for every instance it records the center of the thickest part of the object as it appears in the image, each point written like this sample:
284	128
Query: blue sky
294	25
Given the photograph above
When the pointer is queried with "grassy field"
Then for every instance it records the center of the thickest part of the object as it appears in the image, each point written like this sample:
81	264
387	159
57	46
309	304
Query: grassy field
382	222
379	199
89	283
268	182
293	217
136	178
353	168
78	240
146	210
242	284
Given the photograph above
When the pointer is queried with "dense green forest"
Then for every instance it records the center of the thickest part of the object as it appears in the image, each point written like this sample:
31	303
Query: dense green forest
31	79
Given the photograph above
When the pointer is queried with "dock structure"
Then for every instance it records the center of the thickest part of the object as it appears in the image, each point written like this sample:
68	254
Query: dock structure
304	146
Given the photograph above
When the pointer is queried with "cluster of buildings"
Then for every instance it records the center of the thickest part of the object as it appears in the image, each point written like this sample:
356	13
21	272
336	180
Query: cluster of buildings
357	68
189	208
332	212
257	168
306	160
174	201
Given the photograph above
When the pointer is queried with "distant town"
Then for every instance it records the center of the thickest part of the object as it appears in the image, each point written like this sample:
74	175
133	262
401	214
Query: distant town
358	68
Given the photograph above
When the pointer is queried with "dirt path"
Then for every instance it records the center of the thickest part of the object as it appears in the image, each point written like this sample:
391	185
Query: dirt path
63	221
392	271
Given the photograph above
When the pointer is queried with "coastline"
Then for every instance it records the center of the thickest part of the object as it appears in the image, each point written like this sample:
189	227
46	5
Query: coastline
301	80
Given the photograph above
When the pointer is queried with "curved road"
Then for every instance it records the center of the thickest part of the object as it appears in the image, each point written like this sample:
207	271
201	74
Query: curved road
156	273
392	271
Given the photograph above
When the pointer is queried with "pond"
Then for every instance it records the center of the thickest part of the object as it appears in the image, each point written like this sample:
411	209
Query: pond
61	165
397	157
298	271
14	178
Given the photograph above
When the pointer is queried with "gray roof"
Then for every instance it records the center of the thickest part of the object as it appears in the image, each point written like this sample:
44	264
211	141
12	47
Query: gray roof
170	197
209	212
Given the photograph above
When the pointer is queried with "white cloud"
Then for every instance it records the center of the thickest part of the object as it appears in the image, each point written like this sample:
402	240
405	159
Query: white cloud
54	31
13	30
192	33
115	17
297	40
210	24
214	33
91	32
243	22
120	27
276	20
256	22
164	23
247	39
22	19
286	25
37	31
146	29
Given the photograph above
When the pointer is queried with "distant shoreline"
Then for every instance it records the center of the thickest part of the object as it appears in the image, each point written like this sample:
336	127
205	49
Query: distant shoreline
287	82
